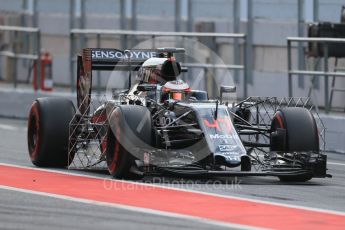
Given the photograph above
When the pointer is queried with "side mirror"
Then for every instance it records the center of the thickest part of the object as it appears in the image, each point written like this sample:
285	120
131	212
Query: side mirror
226	89
146	87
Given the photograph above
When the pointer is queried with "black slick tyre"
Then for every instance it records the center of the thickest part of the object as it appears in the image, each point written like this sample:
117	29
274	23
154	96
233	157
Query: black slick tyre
130	129
301	130
301	135
48	132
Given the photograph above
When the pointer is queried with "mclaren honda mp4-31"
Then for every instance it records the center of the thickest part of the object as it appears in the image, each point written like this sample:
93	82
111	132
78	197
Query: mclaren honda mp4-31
158	125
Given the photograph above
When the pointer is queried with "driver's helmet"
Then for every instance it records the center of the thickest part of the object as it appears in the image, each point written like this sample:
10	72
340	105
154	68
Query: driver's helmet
175	90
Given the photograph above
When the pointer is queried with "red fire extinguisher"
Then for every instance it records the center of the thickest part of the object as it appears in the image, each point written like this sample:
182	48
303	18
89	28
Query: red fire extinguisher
46	73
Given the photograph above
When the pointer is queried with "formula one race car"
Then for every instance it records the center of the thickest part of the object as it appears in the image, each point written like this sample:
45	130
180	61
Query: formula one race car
160	126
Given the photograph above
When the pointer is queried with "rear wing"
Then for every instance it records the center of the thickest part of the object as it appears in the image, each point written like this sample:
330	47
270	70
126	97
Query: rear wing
111	60
122	60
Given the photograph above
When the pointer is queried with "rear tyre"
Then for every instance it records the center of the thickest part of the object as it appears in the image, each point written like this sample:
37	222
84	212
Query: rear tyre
48	132
130	129
300	135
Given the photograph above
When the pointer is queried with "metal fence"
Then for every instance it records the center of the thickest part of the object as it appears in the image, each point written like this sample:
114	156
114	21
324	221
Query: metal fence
233	10
240	16
19	35
132	35
302	72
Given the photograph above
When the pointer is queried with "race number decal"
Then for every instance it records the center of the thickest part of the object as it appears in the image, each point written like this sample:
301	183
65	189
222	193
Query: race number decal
221	124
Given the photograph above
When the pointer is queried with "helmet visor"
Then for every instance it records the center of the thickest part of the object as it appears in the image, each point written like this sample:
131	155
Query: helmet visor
177	95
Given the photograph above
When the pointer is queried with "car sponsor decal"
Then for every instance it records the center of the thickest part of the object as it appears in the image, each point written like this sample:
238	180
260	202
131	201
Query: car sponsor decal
226	148
117	54
220	124
220	136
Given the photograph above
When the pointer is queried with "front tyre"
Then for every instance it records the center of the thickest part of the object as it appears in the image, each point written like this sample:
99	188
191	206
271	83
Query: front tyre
130	130
48	132
300	134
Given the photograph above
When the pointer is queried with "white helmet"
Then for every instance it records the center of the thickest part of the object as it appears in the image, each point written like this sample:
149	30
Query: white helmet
176	90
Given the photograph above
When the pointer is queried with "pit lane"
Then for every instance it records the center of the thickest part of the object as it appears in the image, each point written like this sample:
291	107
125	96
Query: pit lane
49	212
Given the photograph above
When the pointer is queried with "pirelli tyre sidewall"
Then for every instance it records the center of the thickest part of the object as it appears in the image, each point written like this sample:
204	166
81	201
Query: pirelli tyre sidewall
48	132
301	135
130	131
301	130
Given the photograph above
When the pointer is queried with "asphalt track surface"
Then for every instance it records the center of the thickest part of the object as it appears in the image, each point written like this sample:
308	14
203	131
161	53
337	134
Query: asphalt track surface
22	210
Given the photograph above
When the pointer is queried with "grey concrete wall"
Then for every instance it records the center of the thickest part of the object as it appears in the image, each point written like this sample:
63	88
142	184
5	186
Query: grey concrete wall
16	103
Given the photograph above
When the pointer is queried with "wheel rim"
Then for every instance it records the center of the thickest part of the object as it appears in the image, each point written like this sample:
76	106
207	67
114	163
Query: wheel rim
114	152
33	133
279	120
